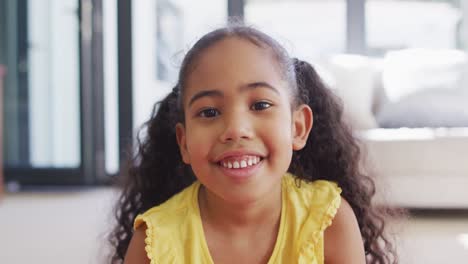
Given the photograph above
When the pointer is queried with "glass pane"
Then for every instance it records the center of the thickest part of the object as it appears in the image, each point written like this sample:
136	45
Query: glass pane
42	120
109	16
163	30
311	30
419	24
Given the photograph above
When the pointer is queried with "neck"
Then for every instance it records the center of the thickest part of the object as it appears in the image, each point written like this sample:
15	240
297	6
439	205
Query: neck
234	218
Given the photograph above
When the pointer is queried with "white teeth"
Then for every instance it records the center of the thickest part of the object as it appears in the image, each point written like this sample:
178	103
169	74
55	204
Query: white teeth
243	164
250	161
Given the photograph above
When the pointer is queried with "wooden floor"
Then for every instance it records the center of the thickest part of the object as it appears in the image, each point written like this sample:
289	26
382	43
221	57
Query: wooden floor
70	227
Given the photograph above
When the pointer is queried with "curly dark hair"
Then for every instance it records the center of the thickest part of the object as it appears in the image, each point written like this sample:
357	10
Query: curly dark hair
332	152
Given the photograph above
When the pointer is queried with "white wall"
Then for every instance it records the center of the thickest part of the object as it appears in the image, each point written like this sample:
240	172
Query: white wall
199	17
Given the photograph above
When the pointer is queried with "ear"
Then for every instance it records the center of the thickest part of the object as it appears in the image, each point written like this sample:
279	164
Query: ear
302	121
182	142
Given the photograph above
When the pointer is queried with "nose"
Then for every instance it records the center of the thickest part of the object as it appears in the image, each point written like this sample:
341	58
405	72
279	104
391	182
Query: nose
236	126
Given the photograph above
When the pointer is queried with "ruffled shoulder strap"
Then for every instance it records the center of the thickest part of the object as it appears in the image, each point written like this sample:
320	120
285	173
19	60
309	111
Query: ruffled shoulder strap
326	200
321	200
163	225
150	235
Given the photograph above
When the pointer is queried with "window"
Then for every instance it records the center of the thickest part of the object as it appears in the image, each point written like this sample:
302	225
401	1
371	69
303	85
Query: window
309	30
42	107
397	24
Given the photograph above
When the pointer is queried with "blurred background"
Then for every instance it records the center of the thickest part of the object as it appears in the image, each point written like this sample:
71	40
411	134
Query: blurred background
78	78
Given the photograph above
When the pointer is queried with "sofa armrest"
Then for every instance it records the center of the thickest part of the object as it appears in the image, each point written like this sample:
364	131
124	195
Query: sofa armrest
420	168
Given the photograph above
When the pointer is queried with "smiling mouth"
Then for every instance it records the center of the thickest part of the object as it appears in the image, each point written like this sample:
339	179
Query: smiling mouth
240	162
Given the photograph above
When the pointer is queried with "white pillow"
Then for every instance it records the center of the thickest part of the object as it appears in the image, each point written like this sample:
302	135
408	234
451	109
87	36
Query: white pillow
354	81
425	88
411	71
432	108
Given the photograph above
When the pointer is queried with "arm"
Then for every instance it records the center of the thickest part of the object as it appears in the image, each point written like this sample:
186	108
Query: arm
136	253
342	240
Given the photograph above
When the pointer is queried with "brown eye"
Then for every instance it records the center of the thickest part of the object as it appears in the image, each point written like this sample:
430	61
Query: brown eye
208	113
259	106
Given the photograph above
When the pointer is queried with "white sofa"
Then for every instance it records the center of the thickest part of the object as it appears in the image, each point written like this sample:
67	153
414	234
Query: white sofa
420	166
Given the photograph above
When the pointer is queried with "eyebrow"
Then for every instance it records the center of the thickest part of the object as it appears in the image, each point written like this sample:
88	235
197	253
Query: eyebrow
217	93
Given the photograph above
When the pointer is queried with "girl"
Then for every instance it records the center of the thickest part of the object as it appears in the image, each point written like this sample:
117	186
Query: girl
248	160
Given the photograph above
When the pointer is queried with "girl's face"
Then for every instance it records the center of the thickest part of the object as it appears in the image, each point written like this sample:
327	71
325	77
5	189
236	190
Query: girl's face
239	130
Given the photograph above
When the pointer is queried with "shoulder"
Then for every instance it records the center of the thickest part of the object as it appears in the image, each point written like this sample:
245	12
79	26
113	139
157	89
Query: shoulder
161	223
320	195
342	239
136	252
169	212
317	187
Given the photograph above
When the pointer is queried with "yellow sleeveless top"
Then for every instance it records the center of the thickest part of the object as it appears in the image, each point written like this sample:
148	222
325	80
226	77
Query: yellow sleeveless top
175	234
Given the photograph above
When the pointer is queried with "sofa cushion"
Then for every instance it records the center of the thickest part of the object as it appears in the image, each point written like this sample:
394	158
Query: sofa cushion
434	108
353	81
409	71
425	88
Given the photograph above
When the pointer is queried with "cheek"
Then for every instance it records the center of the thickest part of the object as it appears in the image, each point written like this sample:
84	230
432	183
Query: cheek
278	131
199	141
284	124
